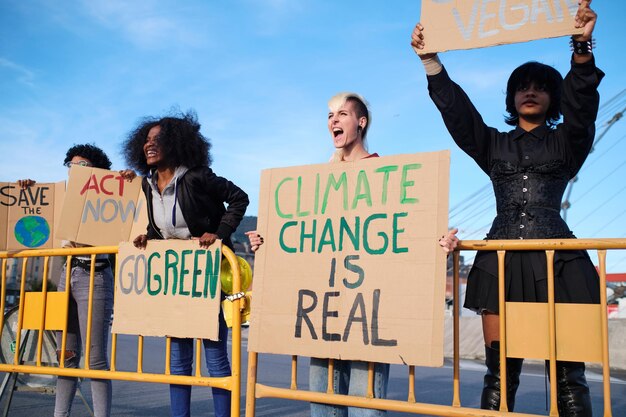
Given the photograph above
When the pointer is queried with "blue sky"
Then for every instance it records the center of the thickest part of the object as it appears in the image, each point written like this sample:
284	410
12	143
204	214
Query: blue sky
259	74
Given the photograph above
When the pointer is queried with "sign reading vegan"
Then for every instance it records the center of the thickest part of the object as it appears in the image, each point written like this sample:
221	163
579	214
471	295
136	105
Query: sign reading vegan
28	215
101	208
466	24
172	288
351	267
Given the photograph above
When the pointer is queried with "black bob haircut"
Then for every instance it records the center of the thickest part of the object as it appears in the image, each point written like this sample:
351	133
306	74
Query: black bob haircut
543	75
180	140
95	155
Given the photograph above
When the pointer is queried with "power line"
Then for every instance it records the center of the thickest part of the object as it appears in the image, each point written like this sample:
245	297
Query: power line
473	217
469	199
597	232
616	194
607	150
593	187
565	205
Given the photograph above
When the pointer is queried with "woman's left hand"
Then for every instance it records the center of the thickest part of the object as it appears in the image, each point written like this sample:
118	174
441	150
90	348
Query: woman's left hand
586	19
128	174
24	184
207	239
448	242
256	240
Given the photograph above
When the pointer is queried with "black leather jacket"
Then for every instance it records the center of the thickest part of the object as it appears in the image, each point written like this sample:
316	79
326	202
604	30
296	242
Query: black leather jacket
201	195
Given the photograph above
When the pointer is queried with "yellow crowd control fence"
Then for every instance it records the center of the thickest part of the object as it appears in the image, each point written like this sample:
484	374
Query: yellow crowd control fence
44	311
527	330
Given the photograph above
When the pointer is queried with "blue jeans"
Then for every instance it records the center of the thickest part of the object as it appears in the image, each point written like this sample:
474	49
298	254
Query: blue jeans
77	335
216	354
349	377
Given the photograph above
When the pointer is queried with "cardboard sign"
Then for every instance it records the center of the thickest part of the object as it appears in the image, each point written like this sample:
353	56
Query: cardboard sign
172	288
351	267
466	24
27	217
101	208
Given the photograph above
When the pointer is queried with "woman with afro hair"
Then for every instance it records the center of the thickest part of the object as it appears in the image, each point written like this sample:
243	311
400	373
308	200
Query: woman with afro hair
529	167
186	200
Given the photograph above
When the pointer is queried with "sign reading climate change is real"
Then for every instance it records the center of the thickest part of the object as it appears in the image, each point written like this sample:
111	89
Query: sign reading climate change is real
466	24
351	267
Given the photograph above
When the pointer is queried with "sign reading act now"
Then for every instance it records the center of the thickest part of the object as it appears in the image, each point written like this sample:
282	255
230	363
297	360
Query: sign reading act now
101	208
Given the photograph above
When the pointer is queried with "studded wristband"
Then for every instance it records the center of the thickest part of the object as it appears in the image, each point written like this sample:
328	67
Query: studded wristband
581	47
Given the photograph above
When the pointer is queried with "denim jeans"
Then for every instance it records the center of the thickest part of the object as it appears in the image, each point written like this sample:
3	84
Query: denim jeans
349	377
77	335
216	354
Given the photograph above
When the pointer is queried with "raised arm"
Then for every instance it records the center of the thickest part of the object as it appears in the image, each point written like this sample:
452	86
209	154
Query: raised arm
585	18
580	99
463	121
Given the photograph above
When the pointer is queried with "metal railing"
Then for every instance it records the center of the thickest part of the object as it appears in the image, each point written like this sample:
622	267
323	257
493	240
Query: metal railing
44	311
539	344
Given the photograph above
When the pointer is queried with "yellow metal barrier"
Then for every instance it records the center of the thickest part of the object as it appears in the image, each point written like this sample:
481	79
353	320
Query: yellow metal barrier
45	311
534	335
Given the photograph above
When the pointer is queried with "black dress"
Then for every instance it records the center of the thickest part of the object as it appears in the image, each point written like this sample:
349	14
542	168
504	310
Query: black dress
529	172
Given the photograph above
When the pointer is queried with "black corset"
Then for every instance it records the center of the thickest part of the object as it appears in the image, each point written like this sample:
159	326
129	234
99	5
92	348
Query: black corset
528	201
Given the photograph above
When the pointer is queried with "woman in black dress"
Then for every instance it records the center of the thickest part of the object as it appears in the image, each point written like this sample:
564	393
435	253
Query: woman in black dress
529	167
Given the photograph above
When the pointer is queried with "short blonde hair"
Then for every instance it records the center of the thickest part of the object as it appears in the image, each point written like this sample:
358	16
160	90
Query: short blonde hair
363	110
363	107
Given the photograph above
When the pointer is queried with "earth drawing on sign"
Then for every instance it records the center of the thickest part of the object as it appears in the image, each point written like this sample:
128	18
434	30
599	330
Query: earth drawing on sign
32	231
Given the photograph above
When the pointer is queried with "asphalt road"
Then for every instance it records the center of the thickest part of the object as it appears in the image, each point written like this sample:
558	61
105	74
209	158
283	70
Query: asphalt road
433	385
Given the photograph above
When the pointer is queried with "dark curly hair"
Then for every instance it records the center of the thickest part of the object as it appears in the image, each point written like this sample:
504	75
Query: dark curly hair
543	75
180	140
96	156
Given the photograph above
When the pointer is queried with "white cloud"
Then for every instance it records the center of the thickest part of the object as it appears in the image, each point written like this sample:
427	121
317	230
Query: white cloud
271	16
145	24
23	75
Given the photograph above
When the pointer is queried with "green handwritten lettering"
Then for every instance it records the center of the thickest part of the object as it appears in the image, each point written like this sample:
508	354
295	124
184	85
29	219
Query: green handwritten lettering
171	263
276	199
385	170
342	183
156	277
405	183
362	191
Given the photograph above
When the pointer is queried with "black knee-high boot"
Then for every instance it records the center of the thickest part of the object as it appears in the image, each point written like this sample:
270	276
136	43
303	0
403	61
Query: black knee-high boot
490	398
572	390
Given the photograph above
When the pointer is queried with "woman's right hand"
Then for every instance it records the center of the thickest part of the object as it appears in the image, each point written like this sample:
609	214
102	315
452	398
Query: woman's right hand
24	184
141	241
256	240
417	42
449	242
